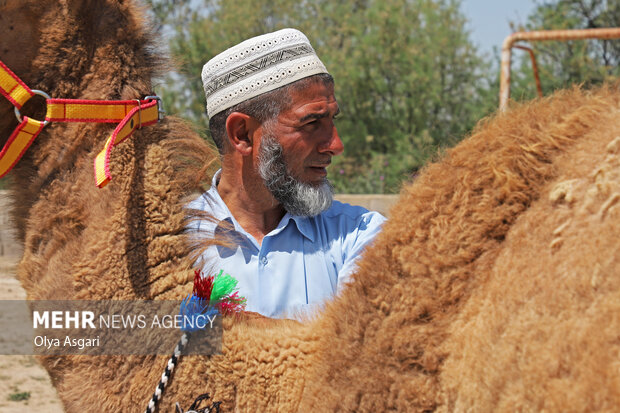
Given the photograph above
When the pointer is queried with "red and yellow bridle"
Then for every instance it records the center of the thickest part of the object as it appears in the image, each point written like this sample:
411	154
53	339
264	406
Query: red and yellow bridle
129	114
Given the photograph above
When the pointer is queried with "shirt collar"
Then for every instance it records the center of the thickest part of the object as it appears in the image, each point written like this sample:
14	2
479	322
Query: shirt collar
304	225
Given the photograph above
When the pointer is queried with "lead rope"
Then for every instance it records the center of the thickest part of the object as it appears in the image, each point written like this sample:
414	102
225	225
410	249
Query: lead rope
195	407
211	294
165	377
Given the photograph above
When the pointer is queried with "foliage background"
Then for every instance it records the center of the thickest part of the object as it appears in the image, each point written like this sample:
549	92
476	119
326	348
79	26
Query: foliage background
561	64
409	80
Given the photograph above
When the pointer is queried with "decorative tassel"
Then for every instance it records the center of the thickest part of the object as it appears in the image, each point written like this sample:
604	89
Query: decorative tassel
232	304
192	307
210	295
223	285
202	285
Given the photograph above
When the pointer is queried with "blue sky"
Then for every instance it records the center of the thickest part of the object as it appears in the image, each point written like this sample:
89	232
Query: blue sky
488	20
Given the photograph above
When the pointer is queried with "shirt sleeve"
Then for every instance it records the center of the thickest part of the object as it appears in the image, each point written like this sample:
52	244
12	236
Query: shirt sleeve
369	226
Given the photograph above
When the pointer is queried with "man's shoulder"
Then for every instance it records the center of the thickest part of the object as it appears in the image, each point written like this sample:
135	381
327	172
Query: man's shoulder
353	225
197	202
340	210
205	211
210	202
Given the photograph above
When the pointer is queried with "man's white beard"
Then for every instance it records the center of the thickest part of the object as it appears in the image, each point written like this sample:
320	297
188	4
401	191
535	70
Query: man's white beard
297	198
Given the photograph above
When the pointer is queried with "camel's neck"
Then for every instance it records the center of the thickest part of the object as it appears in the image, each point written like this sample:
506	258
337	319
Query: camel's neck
85	51
98	52
82	50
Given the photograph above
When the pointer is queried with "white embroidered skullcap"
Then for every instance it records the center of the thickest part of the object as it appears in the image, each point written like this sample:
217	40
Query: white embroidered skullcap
256	66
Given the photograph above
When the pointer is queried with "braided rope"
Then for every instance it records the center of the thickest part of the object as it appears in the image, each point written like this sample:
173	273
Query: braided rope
165	377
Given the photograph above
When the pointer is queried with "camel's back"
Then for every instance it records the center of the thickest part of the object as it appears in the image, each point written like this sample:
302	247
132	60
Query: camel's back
494	284
542	331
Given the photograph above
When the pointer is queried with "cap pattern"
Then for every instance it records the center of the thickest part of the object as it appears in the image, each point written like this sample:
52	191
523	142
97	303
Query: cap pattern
257	66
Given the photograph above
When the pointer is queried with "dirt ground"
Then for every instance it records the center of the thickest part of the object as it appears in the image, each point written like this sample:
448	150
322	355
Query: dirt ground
24	384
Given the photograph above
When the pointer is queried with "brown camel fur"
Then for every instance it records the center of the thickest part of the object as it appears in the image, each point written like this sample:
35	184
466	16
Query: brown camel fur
126	240
493	286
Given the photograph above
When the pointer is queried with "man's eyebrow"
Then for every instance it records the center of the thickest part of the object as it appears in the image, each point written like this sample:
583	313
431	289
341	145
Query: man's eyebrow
317	115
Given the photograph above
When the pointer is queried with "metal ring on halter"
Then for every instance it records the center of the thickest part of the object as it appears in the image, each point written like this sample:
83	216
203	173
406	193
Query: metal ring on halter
161	113
18	115
139	113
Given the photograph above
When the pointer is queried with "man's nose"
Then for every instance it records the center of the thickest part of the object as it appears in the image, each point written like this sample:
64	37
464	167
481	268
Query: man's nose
333	144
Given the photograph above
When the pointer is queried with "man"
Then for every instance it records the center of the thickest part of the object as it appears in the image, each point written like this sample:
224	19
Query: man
271	109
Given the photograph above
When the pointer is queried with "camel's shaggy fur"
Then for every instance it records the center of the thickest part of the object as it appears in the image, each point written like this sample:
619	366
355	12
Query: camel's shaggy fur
494	285
124	241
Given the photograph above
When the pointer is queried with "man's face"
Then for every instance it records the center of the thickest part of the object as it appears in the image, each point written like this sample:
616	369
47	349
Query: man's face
307	133
296	149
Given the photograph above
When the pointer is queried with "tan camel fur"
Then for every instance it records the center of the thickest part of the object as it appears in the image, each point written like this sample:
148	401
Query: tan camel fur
123	241
494	286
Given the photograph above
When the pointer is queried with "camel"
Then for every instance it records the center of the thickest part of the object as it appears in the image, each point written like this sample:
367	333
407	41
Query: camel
80	240
493	286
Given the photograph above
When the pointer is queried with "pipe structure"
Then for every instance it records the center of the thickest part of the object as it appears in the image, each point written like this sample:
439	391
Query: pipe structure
534	67
504	78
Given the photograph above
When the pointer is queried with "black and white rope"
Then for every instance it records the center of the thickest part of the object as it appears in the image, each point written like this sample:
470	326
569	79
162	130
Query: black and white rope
165	377
195	407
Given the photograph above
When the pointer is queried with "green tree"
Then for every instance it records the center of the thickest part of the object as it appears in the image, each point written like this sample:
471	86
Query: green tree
563	63
408	79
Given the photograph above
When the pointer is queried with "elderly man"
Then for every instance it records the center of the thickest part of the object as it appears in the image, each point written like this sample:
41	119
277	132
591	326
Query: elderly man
271	109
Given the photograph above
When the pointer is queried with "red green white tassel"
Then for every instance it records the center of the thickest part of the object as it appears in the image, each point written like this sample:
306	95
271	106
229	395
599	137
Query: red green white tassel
210	295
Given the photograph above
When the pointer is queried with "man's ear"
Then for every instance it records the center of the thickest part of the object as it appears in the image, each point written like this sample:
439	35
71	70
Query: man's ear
240	130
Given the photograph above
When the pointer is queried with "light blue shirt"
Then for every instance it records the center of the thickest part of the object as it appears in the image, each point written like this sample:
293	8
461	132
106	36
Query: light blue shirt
300	264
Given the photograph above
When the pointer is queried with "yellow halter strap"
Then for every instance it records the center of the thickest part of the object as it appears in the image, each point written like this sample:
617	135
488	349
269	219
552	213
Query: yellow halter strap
129	115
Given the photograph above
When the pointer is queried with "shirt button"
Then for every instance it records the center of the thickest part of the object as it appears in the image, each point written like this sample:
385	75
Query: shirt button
264	260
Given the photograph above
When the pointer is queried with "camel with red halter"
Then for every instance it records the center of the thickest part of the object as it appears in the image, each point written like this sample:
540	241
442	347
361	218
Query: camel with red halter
493	286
